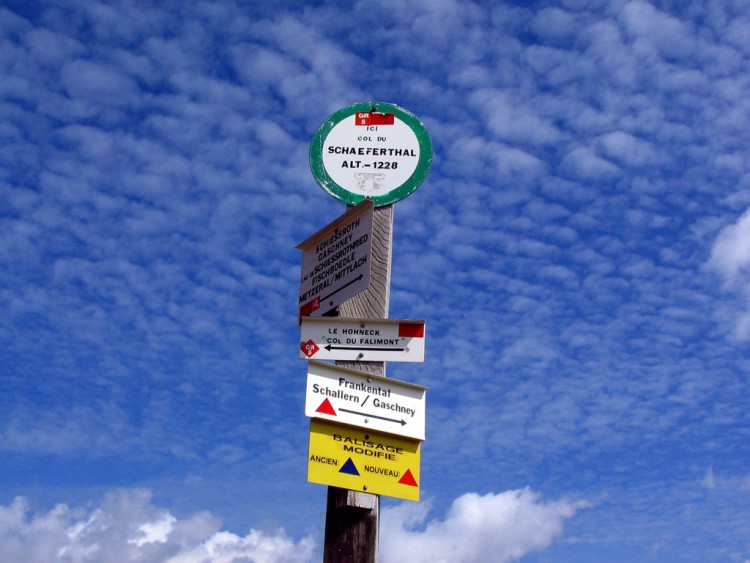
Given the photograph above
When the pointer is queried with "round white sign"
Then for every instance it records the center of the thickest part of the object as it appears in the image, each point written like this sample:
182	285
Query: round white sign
373	150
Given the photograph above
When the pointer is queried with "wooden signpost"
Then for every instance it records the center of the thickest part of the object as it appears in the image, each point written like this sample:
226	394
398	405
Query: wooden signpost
379	153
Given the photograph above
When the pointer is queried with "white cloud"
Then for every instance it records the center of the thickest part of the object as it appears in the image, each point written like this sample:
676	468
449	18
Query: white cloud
128	527
730	257
583	163
657	31
95	81
494	527
154	532
513	119
730	254
627	149
709	481
553	25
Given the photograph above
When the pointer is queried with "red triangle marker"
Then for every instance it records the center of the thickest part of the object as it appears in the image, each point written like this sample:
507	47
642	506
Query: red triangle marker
326	408
408	479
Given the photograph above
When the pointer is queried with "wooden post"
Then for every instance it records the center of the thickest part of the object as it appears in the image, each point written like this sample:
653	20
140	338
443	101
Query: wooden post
353	517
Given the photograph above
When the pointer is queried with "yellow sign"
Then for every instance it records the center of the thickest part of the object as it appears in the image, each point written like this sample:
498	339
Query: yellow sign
363	460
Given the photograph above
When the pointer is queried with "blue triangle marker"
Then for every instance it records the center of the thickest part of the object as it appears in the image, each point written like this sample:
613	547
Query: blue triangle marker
349	468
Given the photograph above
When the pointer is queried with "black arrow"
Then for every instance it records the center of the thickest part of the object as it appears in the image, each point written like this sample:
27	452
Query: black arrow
358	278
402	422
332	347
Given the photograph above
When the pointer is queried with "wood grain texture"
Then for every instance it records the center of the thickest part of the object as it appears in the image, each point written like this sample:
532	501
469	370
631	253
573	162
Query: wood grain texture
373	303
353	517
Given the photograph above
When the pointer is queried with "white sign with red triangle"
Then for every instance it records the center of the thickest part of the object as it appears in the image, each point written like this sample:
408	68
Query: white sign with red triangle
366	401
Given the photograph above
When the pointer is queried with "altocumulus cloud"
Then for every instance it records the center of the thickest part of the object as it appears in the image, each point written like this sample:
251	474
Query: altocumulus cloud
494	527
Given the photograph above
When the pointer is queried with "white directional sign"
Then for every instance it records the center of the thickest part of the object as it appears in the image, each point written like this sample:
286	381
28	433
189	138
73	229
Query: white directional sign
336	261
366	401
362	340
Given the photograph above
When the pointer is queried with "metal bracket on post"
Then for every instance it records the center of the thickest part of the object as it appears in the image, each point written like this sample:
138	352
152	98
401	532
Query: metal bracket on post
354	499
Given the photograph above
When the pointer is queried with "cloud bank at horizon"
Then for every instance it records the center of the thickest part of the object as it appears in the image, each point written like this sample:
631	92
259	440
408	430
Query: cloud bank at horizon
127	525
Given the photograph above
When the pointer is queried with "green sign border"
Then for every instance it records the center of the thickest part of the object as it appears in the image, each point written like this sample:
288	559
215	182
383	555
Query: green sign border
396	194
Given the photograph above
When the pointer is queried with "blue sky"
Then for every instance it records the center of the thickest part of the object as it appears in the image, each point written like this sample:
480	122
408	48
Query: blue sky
580	252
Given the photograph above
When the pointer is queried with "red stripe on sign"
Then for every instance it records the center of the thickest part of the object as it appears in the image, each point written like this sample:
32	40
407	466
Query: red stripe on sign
383	118
309	307
364	118
411	330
